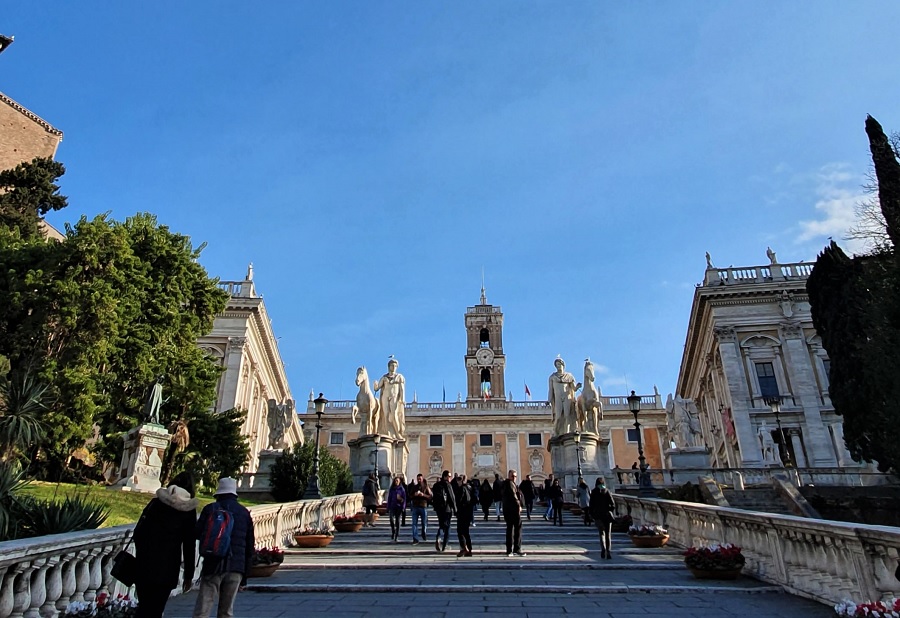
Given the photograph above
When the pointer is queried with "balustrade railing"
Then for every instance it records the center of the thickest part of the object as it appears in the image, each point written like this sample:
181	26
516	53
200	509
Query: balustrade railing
41	576
673	477
819	559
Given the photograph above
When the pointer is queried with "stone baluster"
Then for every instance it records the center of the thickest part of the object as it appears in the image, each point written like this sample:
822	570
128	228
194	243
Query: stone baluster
96	573
21	590
39	592
7	581
53	584
82	575
68	581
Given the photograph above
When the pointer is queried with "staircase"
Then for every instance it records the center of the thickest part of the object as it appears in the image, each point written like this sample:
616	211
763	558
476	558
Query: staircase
761	499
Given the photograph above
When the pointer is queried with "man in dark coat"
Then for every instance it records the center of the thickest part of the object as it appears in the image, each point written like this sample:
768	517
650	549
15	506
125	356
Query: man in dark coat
513	502
527	488
444	502
602	508
163	535
224	576
498	494
465	498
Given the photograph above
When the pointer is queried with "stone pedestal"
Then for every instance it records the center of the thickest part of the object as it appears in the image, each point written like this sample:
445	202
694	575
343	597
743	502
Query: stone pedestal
255	485
690	459
391	453
142	458
564	454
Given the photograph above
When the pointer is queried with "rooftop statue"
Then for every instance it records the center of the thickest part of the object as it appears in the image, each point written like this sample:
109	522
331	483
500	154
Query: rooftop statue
392	399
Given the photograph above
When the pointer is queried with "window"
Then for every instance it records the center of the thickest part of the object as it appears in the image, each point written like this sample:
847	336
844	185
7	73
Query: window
535	439
484	338
768	386
337	437
632	435
436	439
826	362
486	439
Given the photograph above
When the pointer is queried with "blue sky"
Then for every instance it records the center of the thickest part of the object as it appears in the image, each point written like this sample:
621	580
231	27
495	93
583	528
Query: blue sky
370	158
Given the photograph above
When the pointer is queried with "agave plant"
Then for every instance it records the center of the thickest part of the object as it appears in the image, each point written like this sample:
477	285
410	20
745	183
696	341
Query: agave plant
78	512
22	400
10	504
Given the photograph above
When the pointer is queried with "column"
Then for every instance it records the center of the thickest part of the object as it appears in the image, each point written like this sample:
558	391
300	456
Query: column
512	452
458	452
415	457
798	449
233	363
736	383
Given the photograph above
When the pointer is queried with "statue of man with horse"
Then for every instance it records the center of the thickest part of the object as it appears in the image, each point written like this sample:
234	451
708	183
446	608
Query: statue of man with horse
588	406
366	406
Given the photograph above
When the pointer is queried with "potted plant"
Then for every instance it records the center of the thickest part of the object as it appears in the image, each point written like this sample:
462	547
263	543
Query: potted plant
622	523
850	609
648	535
348	523
715	562
313	537
104	606
265	562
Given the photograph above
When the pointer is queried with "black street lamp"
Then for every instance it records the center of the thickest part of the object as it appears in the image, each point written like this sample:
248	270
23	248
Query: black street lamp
377	439
578	451
634	404
312	488
774	402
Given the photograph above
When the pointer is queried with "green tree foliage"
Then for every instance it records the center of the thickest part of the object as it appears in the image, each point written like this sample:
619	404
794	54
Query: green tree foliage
27	193
216	448
856	310
101	315
290	473
23	401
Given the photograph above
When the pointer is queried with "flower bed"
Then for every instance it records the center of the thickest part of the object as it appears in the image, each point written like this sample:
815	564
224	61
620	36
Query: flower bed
715	562
103	607
267	556
646	530
648	536
313	537
873	609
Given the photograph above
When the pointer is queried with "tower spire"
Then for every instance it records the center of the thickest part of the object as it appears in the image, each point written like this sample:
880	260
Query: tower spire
483	296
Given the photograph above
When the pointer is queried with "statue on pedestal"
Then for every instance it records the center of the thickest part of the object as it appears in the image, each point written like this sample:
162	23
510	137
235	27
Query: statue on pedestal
279	419
151	408
392	398
367	405
767	445
684	427
562	397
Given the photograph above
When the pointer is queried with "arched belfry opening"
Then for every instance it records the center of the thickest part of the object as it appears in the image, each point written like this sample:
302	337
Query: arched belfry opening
486	383
484	338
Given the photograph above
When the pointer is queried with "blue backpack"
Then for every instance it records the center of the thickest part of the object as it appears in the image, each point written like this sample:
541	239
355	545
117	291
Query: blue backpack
215	542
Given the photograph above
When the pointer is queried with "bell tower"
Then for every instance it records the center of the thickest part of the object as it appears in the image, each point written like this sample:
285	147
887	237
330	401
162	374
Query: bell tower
485	361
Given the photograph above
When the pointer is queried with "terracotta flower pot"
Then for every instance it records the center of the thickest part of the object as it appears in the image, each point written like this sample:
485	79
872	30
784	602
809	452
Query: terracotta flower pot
715	574
348	526
263	570
312	540
649	541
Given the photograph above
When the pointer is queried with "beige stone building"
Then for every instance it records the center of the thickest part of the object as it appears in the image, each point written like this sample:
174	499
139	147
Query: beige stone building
483	433
243	343
750	339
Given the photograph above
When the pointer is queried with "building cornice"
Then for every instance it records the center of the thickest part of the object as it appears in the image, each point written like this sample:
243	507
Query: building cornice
49	128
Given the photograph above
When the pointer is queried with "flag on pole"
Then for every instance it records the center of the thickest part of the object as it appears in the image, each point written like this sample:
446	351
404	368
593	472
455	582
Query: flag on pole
444	391
527	392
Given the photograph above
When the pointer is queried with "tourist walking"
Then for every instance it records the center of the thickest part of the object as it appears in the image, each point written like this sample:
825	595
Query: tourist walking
548	482
163	535
498	497
419	495
555	497
465	498
370	499
602	507
513	502
527	489
444	502
583	497
476	487
223	577
486	498
396	506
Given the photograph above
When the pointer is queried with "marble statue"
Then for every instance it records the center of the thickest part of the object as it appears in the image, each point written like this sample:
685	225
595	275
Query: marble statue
709	263
588	404
767	445
392	399
151	408
366	405
684	427
562	387
771	255
279	419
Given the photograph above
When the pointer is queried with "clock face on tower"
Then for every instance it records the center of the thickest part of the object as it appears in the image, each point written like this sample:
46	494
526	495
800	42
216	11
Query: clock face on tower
484	356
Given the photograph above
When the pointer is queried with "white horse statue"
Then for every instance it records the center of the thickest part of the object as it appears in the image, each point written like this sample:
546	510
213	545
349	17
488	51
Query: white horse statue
588	407
366	405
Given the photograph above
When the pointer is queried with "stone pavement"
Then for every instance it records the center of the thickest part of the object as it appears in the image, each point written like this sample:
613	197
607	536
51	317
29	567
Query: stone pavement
365	574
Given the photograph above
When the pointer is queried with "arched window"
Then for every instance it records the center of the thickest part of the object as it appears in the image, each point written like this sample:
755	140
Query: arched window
486	383
484	338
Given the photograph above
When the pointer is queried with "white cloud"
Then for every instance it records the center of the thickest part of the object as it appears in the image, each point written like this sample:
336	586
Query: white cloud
838	191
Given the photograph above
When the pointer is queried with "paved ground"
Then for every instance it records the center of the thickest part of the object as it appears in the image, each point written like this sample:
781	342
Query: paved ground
365	574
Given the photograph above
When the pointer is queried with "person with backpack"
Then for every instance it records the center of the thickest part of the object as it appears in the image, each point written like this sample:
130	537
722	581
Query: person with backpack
465	498
165	533
444	502
227	544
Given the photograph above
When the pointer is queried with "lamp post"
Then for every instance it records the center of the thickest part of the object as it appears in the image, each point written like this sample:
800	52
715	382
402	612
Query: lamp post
774	403
578	450
634	404
377	439
312	488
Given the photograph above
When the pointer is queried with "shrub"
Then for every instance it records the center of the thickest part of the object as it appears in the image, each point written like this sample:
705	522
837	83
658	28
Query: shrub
290	474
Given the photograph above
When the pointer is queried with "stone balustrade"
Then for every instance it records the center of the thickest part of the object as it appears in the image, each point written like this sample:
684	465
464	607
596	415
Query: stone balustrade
673	477
827	561
41	576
